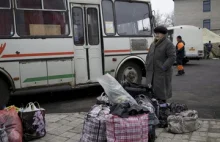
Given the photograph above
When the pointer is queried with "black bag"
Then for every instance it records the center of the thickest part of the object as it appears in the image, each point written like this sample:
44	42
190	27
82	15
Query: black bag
151	133
144	101
136	89
33	121
164	112
177	108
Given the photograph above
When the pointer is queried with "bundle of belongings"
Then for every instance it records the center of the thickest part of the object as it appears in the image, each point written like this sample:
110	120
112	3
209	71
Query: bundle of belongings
174	116
10	126
22	124
183	122
129	113
117	116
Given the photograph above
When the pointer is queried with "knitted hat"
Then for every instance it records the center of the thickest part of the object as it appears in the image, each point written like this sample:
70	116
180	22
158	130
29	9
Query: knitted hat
160	29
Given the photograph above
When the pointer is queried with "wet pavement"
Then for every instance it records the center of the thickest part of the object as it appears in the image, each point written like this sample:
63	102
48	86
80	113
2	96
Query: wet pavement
199	89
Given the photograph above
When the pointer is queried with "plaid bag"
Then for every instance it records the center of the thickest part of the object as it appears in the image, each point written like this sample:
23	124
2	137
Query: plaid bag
94	129
132	129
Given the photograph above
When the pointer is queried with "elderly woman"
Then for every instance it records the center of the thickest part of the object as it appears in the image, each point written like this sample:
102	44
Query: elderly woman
160	59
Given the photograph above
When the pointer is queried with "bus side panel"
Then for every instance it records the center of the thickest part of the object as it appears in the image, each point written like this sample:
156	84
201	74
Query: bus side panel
22	49
33	73
60	71
117	46
35	55
12	68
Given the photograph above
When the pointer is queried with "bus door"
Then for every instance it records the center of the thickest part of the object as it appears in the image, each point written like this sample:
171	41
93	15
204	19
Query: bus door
87	43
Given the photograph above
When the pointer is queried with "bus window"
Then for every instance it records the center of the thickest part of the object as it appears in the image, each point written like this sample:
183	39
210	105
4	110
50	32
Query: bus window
132	18
78	26
6	19
55	4
47	4
43	21
170	35
30	4
93	29
107	8
4	4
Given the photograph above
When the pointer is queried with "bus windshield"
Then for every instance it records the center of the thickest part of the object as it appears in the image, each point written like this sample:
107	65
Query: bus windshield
132	18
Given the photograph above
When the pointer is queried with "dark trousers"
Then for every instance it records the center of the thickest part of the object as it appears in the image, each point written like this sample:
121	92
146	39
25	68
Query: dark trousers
179	62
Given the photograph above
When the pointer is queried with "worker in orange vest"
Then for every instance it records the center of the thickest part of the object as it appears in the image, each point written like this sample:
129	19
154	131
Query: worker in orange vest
180	53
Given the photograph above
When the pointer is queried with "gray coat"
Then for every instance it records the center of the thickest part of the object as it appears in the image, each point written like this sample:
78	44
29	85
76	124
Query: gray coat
160	59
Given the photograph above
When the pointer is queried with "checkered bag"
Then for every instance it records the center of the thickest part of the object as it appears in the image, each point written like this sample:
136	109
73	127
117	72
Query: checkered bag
132	129
94	129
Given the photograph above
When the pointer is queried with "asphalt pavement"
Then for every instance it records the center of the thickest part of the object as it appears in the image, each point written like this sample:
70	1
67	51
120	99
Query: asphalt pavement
199	88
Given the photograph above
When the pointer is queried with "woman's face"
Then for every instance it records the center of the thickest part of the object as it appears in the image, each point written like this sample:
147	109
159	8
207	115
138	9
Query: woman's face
159	36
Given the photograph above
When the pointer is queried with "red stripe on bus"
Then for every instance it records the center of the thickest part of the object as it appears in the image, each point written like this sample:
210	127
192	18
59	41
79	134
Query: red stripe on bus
53	54
36	54
2	48
112	51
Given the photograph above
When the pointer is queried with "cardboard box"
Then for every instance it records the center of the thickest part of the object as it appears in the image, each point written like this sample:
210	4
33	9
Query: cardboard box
41	29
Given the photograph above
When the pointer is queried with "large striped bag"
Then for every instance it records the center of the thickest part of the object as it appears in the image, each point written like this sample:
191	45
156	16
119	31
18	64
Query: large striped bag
94	128
131	129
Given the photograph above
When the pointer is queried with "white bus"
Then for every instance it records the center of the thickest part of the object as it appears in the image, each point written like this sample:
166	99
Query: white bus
193	37
50	45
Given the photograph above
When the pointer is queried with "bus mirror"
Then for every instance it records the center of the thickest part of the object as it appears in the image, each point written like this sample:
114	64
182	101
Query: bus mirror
153	22
153	13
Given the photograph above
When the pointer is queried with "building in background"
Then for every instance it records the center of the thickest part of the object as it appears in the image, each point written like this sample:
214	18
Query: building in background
200	13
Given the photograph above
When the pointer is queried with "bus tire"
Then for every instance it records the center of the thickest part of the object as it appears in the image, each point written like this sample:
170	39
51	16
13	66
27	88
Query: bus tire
4	93
129	71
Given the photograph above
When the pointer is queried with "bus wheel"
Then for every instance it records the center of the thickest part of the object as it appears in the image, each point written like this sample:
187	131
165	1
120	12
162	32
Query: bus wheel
4	93
129	72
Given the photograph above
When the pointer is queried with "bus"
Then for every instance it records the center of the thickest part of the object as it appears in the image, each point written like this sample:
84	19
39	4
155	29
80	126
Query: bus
54	45
193	38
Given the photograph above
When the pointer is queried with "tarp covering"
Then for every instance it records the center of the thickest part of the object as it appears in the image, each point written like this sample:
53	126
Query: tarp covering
210	36
215	39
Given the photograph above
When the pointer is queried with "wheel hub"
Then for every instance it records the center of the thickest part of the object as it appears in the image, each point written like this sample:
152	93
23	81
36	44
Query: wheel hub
130	74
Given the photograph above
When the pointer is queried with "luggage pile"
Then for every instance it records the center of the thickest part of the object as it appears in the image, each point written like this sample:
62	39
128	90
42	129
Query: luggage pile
22	124
128	112
118	116
174	116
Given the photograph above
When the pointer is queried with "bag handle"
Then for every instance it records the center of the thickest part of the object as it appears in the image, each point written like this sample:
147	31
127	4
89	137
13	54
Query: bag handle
37	105
29	105
32	106
103	94
142	96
